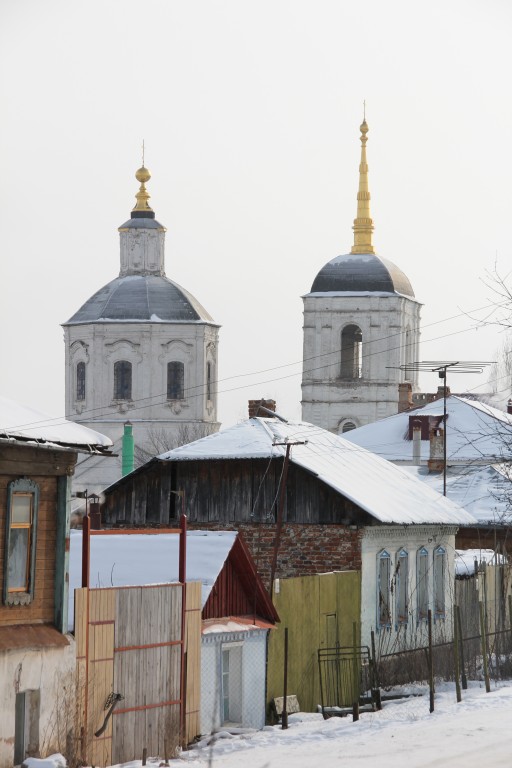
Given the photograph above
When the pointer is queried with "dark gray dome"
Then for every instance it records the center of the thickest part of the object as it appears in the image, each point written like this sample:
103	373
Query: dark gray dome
361	272
141	298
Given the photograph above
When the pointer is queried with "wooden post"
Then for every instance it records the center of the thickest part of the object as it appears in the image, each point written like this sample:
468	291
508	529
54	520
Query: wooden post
483	635
284	716
355	670
456	654
510	611
430	661
461	649
144	755
182	580
375	675
86	550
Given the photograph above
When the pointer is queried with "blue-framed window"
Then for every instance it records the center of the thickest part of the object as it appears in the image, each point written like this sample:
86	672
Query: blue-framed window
20	541
383	589
422	582
402	587
439	582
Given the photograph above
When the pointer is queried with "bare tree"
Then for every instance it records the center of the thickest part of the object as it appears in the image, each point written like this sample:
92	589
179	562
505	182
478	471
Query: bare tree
161	440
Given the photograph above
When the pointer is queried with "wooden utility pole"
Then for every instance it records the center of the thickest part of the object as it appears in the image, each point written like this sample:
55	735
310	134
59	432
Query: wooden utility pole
280	511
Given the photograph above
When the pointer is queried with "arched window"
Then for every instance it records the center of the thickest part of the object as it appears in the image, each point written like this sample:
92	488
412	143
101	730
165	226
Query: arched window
402	587
348	426
351	352
80	381
175	380
439	581
422	583
122	380
208	381
384	589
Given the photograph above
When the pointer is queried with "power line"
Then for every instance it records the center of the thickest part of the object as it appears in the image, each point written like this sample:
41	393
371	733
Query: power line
147	402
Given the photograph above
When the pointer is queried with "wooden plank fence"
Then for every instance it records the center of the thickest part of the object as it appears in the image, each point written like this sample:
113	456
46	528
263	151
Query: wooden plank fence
129	643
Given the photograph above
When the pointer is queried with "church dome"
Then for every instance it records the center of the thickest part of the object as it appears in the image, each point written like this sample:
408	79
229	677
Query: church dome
361	273
141	298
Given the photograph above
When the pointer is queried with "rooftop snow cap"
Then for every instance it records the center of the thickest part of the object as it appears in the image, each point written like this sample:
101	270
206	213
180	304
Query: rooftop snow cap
153	298
361	273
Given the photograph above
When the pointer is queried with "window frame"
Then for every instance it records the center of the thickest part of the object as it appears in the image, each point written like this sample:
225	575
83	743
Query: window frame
439	561
80	381
402	587
121	373
382	622
177	366
21	487
422	583
351	353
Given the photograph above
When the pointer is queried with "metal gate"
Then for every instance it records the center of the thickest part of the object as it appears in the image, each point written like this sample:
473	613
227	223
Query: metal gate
346	678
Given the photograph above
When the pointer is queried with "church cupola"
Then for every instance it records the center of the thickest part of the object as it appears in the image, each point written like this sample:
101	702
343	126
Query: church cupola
142	236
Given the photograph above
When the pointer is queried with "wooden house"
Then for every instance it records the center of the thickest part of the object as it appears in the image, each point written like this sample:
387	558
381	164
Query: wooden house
37	459
236	613
310	502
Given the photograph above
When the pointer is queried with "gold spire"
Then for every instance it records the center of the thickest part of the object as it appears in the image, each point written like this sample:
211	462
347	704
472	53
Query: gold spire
363	224
142	196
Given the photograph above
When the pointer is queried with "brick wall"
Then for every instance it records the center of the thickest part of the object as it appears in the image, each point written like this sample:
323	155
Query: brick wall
304	549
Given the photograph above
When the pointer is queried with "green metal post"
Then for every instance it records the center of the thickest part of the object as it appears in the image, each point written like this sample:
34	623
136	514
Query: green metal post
128	449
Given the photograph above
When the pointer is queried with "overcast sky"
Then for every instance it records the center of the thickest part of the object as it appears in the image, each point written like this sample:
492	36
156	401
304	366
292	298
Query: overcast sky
250	112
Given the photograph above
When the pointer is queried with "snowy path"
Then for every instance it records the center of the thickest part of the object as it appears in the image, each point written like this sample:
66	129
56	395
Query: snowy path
476	732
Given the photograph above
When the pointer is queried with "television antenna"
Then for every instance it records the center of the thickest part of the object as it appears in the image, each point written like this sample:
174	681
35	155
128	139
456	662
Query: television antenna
441	367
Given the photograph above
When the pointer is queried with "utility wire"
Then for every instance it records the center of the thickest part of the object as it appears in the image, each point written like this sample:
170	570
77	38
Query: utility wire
155	399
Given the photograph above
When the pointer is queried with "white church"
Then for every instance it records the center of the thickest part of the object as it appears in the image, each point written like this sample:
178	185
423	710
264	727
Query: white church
141	350
361	328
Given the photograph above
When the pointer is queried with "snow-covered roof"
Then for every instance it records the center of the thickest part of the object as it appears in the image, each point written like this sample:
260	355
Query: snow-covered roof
465	560
475	432
385	491
484	491
138	559
22	423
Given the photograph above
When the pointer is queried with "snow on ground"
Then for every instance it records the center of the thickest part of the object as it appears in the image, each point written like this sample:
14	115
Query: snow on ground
472	734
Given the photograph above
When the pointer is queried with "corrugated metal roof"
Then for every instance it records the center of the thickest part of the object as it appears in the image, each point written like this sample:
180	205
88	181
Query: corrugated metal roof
476	432
385	491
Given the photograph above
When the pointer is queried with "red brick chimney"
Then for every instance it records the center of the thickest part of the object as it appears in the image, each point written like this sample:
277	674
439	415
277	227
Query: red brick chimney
404	396
436	460
255	405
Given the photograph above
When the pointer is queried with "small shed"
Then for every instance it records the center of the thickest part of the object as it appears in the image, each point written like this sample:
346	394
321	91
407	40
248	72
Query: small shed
236	612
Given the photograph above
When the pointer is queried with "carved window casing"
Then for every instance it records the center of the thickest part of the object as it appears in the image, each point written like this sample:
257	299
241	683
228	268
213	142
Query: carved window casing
20	541
422	583
402	587
439	582
384	589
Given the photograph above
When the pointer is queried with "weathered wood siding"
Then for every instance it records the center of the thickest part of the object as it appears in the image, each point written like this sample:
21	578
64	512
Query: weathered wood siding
129	642
226	491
